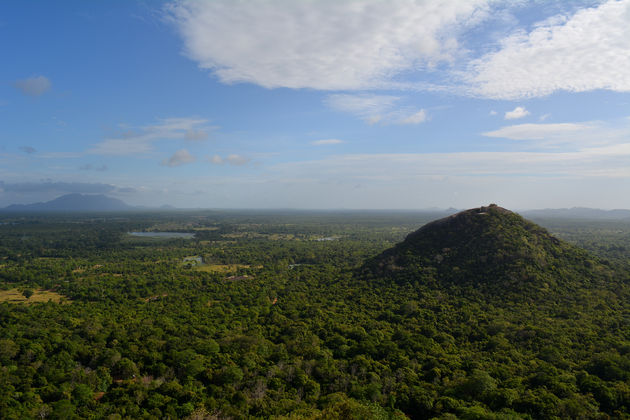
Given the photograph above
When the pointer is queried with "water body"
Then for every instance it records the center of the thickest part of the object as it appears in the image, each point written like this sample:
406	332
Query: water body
184	235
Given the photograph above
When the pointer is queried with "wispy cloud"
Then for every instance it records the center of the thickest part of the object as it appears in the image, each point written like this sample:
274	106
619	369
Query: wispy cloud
568	136
369	107
232	159
516	113
607	161
137	141
180	157
373	109
60	155
196	134
237	160
325	142
459	179
90	167
33	86
538	131
122	147
415	118
216	160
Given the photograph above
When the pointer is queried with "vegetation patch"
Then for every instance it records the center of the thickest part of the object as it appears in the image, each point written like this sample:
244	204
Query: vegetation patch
19	296
353	328
222	268
245	277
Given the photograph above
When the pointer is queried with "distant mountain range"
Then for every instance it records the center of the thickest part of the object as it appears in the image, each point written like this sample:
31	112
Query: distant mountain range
579	213
103	203
73	203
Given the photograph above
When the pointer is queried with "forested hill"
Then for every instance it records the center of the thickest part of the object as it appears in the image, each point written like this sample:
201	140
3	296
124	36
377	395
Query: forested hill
493	250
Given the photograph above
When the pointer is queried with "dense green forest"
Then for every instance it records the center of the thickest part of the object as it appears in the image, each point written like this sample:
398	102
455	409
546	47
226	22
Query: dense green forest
315	315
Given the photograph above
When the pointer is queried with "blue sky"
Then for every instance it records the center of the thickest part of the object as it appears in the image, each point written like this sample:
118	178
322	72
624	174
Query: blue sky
317	104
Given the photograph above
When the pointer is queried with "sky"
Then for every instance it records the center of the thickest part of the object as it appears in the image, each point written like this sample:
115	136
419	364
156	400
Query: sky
327	104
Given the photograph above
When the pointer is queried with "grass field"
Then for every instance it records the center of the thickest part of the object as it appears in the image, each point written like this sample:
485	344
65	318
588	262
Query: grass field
15	296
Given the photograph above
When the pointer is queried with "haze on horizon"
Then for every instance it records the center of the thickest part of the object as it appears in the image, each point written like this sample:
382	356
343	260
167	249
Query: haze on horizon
318	104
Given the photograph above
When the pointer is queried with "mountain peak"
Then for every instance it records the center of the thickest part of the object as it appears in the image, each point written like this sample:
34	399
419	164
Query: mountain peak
74	202
489	248
466	215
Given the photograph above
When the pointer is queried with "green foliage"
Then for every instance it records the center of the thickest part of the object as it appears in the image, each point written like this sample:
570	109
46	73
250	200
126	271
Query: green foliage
514	324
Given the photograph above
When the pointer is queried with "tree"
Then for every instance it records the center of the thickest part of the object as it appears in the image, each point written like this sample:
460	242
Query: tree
27	293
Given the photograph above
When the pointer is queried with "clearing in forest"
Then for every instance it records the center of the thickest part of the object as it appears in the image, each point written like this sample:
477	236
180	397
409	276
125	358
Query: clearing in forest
223	268
39	295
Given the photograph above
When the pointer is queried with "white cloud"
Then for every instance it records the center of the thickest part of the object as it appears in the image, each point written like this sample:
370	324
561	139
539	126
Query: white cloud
587	51
468	179
415	118
216	160
493	112
539	131
368	107
374	109
90	167
140	140
33	86
233	159
326	45
326	142
60	155
122	147
372	44
568	136
516	113
606	161
196	134
236	160
374	119
180	157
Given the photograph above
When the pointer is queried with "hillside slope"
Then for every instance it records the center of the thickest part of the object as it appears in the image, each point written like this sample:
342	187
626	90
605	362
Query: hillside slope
493	250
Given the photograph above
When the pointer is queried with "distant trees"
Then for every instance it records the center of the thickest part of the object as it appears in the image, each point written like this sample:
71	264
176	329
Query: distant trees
142	337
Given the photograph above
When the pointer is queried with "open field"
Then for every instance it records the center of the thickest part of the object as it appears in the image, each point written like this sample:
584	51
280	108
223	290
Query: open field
15	296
